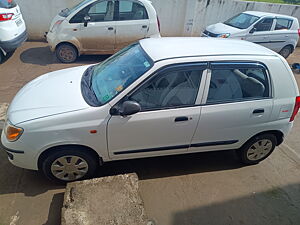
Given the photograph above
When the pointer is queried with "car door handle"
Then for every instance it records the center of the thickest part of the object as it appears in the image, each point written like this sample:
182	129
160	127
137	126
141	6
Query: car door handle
110	28
258	111
181	118
144	26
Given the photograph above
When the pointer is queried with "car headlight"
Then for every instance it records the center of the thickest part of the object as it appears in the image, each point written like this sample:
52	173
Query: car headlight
227	35
12	132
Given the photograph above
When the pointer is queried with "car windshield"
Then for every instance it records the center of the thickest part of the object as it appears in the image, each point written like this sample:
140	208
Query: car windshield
241	21
66	12
7	4
104	81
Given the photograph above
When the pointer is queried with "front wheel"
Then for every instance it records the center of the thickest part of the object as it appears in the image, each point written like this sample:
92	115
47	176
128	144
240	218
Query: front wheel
257	149
66	53
67	165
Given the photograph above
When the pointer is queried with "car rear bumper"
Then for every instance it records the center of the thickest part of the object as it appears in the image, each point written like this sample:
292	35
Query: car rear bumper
13	44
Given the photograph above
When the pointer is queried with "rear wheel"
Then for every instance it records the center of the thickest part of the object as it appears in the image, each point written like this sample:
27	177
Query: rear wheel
66	53
286	51
1	57
257	149
66	165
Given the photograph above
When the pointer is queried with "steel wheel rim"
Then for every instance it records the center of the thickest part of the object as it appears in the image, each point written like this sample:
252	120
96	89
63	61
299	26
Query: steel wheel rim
285	52
69	168
259	149
66	53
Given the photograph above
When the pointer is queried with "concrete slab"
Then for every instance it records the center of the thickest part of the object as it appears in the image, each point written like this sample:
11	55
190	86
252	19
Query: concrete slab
113	200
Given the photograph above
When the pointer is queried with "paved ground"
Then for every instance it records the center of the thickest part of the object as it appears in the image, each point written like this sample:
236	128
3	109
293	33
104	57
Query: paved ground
207	188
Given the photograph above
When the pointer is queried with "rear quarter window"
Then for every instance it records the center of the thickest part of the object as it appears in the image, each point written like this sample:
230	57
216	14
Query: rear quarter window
7	4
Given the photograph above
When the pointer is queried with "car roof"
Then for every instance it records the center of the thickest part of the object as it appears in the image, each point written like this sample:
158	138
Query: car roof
177	47
263	14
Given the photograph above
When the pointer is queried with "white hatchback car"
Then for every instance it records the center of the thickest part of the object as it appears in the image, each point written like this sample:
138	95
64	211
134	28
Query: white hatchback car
12	27
277	32
101	27
153	99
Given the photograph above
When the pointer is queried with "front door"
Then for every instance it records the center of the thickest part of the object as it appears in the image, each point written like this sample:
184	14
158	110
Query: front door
168	118
132	23
261	34
99	34
238	106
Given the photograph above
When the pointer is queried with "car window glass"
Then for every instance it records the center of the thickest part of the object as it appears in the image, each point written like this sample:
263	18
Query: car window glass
241	21
98	12
7	4
264	24
283	24
237	84
129	10
169	89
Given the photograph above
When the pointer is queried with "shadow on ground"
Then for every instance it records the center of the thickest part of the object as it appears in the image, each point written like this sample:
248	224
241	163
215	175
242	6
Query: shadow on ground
277	206
54	215
43	56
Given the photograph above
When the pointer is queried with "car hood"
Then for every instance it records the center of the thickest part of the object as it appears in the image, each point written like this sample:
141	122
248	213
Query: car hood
50	94
221	28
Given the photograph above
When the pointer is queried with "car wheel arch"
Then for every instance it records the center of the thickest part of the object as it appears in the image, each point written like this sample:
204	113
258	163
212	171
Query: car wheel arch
278	134
50	150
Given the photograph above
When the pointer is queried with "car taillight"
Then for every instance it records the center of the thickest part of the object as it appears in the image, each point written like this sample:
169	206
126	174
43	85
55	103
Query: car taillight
299	32
158	23
6	16
296	108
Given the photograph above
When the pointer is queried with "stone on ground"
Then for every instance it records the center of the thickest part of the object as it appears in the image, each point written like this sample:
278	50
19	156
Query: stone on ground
111	200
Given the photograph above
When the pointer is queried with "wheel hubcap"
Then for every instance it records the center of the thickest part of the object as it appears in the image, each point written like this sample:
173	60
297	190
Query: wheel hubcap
259	149
285	52
69	168
67	54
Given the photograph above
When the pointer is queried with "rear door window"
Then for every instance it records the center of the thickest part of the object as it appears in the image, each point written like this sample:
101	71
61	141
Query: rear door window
7	4
283	24
230	83
129	10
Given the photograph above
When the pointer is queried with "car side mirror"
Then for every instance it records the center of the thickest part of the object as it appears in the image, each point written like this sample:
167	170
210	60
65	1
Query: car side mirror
129	108
253	30
86	20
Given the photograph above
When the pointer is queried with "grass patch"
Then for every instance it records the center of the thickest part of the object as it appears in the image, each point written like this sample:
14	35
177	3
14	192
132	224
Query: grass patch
295	2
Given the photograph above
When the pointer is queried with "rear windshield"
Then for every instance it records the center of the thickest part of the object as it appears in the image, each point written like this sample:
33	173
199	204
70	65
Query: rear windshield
7	4
241	21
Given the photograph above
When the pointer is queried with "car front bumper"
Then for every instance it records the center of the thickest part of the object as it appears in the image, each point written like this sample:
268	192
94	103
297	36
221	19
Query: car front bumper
13	44
18	157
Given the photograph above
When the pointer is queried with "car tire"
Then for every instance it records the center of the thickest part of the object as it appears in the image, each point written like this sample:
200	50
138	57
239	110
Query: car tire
286	51
1	57
67	165
66	53
257	149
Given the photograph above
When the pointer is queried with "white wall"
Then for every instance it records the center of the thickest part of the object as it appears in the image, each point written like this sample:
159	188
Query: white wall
177	17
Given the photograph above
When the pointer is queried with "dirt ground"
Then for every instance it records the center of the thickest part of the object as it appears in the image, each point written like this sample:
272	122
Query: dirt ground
207	188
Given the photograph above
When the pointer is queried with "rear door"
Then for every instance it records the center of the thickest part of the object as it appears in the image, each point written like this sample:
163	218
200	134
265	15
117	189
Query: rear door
99	34
262	32
237	105
132	23
281	36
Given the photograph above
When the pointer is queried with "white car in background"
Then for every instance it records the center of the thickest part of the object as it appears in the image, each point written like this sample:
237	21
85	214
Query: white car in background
12	27
153	99
277	32
101	27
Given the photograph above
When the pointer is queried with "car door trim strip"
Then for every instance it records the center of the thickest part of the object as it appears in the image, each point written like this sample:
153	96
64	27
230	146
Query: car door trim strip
205	144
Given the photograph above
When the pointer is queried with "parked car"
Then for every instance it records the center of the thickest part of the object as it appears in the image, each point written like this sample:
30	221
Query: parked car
101	27
153	99
277	32
12	27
